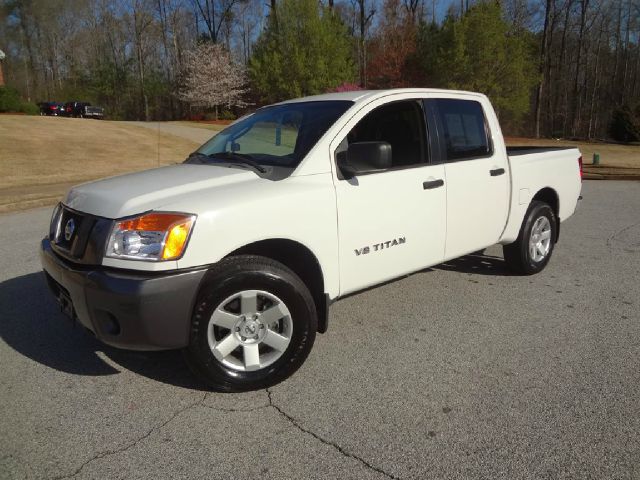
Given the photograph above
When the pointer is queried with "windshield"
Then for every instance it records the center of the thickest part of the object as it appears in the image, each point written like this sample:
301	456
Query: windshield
280	135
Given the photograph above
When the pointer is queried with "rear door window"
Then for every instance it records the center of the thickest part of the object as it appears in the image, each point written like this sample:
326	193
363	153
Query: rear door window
463	129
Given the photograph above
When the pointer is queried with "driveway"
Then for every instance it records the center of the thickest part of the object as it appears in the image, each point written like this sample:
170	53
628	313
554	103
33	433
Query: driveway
459	371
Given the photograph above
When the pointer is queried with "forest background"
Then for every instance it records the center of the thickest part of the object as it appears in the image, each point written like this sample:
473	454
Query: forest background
552	68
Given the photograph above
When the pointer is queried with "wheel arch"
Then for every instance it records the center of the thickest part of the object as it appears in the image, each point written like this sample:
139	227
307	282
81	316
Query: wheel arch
302	261
549	196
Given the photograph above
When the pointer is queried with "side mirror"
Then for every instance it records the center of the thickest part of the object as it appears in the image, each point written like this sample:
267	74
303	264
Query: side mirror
364	157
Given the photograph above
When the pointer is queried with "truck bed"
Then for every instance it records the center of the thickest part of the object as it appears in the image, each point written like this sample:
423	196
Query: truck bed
528	149
535	168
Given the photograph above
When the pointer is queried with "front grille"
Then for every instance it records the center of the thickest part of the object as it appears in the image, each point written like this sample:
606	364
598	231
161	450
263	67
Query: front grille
70	229
79	236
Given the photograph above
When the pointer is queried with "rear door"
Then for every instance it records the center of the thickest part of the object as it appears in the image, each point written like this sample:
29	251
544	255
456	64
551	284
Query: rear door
390	222
476	176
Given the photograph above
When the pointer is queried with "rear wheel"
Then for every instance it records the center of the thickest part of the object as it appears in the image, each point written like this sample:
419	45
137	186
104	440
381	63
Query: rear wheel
253	325
531	252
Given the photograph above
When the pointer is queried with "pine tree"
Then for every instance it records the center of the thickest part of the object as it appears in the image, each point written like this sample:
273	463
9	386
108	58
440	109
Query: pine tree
307	51
480	52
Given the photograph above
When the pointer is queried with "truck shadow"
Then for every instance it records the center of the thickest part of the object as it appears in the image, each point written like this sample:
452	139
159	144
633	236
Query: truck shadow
31	324
478	263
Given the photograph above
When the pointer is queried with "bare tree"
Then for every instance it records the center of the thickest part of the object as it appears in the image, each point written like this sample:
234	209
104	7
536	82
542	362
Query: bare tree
412	7
142	20
249	21
216	15
544	47
364	11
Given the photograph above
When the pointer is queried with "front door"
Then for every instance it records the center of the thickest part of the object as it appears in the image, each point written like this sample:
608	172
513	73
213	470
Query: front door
391	222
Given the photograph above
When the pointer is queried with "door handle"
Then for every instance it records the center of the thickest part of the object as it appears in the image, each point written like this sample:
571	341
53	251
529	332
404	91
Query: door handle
432	184
496	171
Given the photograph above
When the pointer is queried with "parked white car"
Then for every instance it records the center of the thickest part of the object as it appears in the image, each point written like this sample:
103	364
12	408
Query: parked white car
236	254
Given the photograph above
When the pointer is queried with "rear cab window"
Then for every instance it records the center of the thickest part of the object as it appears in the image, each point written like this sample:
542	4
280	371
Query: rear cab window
463	129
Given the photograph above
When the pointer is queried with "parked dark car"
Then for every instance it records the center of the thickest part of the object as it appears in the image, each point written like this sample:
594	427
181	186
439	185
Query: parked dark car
82	110
51	108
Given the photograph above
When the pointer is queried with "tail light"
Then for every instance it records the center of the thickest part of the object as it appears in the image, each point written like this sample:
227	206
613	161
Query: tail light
580	166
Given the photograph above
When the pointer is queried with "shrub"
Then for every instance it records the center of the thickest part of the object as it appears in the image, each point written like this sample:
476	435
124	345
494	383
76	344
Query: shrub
10	102
625	124
29	108
227	115
345	87
9	99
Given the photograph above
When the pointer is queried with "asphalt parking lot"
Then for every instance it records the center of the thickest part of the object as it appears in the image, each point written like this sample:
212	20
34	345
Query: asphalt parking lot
460	371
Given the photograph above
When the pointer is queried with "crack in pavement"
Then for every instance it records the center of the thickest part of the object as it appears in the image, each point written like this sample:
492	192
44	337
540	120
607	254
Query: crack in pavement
233	410
227	409
108	453
329	443
622	230
199	403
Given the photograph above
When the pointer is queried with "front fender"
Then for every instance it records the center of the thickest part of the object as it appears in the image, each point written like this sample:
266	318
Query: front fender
301	209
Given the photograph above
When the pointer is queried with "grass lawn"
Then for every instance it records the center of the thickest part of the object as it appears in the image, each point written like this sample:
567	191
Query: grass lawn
41	157
206	126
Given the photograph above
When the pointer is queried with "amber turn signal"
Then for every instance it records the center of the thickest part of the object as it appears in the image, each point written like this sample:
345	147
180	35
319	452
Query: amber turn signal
177	239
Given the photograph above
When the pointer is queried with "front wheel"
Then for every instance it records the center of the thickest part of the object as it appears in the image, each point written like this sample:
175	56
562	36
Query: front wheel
253	325
531	252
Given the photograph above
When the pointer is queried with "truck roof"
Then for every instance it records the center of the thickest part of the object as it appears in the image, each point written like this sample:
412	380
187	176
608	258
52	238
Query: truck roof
360	95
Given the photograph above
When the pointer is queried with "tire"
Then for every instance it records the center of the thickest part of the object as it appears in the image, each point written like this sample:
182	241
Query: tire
531	252
260	320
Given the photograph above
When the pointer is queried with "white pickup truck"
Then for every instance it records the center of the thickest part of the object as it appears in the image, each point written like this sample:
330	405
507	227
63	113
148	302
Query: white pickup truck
236	254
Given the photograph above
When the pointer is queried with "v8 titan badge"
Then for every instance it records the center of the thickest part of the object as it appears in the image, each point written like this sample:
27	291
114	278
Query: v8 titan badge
376	247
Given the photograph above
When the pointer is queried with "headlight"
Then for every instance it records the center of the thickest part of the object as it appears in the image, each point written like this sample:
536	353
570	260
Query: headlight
153	236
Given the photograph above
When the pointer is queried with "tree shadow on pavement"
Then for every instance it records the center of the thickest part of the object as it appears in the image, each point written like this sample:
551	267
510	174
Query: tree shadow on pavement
477	263
32	324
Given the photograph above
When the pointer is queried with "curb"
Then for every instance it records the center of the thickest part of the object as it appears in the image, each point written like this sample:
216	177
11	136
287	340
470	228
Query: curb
597	176
605	172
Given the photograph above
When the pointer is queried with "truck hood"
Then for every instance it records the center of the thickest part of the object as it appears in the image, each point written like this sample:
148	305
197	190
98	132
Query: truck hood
139	192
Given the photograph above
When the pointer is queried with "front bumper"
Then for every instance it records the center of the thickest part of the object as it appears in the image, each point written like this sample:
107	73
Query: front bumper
125	309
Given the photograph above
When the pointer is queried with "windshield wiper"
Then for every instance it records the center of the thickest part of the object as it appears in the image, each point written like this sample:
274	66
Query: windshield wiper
239	158
195	155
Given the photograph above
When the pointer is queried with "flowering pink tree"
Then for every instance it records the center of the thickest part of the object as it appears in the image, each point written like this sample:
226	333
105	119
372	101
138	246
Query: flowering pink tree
212	78
346	87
